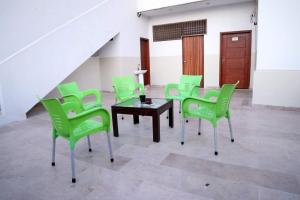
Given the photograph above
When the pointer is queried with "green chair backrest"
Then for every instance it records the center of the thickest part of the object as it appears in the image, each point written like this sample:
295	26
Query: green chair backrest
187	83
58	116
69	88
224	98
124	86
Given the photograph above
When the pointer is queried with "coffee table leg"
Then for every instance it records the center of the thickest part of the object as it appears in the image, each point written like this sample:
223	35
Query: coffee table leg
156	127
115	123
171	117
136	119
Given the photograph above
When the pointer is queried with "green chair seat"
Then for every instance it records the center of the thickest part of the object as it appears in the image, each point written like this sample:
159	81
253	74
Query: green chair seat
125	98
90	105
205	113
87	127
176	97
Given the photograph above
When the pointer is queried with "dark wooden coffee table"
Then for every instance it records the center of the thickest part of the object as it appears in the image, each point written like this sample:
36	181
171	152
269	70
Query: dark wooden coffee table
135	108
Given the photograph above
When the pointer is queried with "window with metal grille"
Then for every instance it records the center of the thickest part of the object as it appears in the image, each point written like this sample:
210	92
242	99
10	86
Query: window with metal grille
175	31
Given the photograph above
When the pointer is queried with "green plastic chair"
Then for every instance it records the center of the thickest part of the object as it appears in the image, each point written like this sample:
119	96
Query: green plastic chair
125	88
211	110
188	86
70	92
73	128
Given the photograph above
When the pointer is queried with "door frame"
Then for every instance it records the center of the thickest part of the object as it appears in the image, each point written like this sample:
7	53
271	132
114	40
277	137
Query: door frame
195	35
145	39
220	59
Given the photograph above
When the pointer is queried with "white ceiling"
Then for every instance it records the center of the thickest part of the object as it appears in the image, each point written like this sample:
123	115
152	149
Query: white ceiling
190	6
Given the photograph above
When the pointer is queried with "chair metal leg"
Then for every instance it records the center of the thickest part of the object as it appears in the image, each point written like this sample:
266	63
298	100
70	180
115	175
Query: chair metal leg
199	126
230	128
109	147
53	151
89	143
182	130
215	141
179	107
73	166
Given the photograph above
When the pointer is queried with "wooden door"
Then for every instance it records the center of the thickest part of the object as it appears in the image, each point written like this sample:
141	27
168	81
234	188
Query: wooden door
235	59
193	56
145	59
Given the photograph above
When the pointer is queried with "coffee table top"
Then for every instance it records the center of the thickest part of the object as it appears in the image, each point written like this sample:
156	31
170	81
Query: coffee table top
135	103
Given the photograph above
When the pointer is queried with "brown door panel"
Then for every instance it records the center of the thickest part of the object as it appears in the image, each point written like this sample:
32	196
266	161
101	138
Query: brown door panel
145	59
236	41
235	58
234	63
235	53
193	55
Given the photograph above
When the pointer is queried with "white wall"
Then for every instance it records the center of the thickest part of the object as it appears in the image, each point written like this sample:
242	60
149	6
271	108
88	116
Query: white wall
127	43
1	100
278	40
22	22
143	5
87	76
277	88
40	67
166	57
277	75
122	55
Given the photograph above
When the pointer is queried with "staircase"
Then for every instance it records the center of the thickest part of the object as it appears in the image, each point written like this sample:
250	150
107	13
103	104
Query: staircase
37	67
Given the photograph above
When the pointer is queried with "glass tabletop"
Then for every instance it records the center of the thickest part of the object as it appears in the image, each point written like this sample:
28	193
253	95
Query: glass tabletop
135	103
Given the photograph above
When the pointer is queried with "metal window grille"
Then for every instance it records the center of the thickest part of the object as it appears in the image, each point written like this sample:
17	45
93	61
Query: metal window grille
175	31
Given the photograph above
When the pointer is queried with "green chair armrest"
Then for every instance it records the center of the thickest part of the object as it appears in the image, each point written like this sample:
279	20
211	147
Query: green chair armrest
211	93
94	112
169	87
200	102
72	98
77	95
195	91
141	87
94	92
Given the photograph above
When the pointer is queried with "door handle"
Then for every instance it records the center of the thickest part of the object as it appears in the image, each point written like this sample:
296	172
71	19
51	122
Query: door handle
184	61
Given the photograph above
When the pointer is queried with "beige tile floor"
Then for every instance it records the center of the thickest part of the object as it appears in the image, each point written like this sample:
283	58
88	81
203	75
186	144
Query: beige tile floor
263	163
